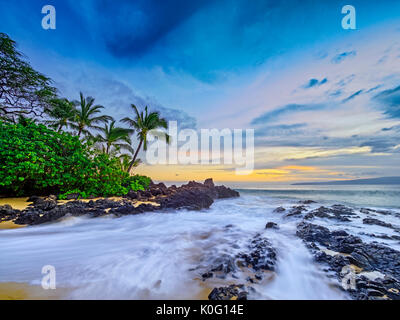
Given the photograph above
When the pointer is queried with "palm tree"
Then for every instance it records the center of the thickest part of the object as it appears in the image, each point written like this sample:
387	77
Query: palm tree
115	136
62	111
145	123
125	160
85	118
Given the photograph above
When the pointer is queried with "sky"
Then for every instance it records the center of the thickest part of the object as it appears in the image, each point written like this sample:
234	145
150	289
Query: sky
324	101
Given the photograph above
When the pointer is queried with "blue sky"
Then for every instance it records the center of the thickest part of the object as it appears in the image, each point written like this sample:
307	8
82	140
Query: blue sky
318	96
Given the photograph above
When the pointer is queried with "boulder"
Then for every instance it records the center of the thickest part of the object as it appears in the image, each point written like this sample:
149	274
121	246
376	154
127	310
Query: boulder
271	225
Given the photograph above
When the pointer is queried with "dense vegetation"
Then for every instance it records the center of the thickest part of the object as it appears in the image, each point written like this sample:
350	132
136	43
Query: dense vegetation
49	144
37	160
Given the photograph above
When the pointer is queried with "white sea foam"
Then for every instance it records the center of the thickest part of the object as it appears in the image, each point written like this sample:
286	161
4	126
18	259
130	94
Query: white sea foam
162	255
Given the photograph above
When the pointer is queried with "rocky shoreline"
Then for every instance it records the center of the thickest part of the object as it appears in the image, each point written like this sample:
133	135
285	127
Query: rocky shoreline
190	196
364	270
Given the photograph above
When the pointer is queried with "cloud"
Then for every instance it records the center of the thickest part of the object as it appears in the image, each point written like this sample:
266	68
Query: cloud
115	95
280	130
352	96
287	109
382	145
133	28
342	56
391	100
315	83
326	153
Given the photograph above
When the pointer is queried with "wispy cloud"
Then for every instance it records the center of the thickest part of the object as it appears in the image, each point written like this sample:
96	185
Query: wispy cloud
315	83
342	56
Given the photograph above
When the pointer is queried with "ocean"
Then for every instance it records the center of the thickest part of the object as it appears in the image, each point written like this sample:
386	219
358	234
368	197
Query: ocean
162	255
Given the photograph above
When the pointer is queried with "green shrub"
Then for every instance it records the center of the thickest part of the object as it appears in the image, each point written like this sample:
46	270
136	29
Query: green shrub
37	160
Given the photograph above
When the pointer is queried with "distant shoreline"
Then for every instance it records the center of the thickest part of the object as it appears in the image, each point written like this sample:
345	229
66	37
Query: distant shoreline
373	181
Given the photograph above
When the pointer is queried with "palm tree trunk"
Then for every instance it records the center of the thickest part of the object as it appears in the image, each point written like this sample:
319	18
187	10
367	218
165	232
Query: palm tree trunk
135	156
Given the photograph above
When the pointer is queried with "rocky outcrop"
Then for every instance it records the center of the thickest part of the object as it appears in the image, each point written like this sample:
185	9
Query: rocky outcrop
297	210
336	212
257	261
191	196
8	213
261	256
232	292
188	199
351	252
377	222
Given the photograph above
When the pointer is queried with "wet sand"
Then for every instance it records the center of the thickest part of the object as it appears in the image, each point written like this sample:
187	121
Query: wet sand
17	203
24	291
10	225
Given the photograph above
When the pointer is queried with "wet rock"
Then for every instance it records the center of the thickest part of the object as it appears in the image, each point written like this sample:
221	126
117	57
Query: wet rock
125	209
33	198
223	265
260	255
36	216
132	195
97	212
45	204
298	210
271	225
8	213
377	222
307	202
158	189
279	209
381	236
104	204
232	292
382	212
207	275
224	192
144	207
336	212
351	250
313	233
187	199
192	196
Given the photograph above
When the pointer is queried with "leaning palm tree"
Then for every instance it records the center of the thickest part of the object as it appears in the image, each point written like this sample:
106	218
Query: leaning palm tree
146	123
62	112
113	136
86	117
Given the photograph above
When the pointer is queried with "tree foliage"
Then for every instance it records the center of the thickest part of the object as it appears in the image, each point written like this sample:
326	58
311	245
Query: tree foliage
146	123
23	90
37	160
42	159
86	116
62	113
114	138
